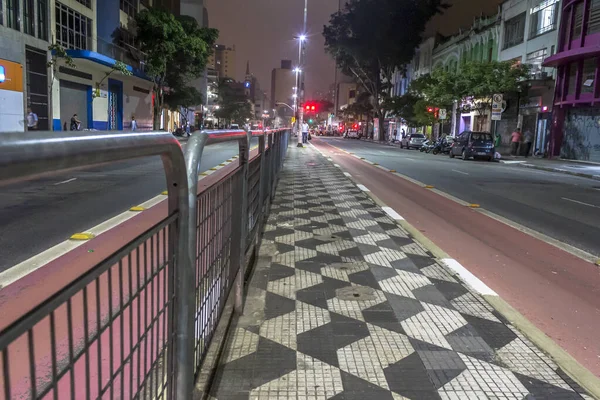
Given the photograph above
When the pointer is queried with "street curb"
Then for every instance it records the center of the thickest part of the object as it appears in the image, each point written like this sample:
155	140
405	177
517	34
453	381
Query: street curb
560	171
565	361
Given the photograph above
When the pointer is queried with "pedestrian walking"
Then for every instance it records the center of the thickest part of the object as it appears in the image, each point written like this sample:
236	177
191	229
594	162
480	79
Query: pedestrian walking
134	125
528	140
32	120
305	129
515	140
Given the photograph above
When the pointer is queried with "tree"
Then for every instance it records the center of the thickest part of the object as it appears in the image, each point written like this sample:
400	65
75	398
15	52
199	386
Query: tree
176	51
370	39
118	66
183	98
234	106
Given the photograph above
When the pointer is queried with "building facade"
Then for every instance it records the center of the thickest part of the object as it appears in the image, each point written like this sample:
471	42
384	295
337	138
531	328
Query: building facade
575	131
24	41
223	61
283	81
529	36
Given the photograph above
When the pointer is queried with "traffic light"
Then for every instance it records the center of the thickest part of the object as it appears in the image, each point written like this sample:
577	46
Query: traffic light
310	121
429	109
310	107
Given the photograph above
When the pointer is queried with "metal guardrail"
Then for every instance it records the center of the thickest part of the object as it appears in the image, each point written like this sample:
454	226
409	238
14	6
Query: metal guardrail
138	324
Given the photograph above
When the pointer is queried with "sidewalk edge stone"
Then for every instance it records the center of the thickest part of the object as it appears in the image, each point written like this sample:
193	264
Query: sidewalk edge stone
572	367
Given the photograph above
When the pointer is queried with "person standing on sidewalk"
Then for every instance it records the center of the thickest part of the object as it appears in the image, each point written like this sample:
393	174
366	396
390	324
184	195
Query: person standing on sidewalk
528	140
305	132
515	140
134	126
32	120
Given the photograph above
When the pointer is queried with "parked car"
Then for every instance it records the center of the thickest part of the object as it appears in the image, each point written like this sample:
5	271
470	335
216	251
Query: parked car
473	144
412	141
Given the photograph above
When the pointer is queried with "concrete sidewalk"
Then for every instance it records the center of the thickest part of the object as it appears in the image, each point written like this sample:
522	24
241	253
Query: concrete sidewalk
344	304
586	170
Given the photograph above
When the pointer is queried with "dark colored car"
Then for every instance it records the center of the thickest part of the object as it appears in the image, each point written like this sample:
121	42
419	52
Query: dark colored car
473	144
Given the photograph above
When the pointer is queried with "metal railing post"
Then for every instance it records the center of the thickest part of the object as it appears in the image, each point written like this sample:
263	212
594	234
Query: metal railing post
262	181
270	171
244	147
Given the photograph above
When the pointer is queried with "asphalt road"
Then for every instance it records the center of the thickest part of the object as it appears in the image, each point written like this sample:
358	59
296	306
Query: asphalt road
561	206
38	214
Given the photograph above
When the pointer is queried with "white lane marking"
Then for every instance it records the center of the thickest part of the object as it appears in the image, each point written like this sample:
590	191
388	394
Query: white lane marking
460	172
471	280
67	181
32	264
580	202
347	174
512	162
382	152
410	159
363	188
392	213
337	165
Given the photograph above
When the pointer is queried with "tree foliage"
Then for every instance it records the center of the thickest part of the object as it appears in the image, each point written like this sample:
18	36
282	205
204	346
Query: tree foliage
234	106
177	50
119	67
370	39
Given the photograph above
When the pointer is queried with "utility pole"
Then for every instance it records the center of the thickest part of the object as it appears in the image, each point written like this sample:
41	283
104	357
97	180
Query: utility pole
335	85
301	74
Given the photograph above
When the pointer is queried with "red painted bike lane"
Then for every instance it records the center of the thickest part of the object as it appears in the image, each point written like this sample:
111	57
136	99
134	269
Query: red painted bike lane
555	290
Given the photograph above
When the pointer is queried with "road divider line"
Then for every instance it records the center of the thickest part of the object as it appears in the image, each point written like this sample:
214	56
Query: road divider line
579	202
63	182
363	188
32	264
572	367
579	253
460	172
347	174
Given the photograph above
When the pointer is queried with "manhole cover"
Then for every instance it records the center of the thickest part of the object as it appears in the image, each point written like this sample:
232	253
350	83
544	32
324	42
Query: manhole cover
355	293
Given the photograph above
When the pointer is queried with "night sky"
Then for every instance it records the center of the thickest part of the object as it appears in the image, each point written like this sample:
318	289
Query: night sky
263	32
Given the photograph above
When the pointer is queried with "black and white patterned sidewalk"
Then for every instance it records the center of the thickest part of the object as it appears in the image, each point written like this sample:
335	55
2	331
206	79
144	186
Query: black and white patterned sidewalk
345	305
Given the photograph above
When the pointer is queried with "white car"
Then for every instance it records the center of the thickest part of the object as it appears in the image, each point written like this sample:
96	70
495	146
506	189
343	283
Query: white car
352	132
413	141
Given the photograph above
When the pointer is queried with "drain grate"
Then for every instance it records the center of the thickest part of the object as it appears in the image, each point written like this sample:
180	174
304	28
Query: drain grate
355	293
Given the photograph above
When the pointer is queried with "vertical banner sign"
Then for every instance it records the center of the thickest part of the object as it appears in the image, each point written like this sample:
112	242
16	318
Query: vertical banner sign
497	100
443	113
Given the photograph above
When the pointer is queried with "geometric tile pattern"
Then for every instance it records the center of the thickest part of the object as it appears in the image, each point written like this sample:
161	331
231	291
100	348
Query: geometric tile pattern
354	308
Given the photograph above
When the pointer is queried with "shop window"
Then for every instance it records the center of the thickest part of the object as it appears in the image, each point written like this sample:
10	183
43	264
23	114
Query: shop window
13	19
514	31
588	77
577	21
73	30
594	17
544	18
535	59
572	78
42	19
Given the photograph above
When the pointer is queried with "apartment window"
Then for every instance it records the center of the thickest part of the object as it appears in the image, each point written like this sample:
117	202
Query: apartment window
73	30
594	17
588	76
87	3
129	7
514	31
13	19
537	57
544	18
577	21
29	16
42	17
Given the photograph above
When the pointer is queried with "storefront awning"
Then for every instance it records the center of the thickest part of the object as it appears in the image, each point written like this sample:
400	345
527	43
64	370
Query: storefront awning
565	57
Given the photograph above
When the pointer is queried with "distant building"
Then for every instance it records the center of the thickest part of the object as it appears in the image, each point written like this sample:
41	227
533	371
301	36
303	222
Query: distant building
283	81
223	61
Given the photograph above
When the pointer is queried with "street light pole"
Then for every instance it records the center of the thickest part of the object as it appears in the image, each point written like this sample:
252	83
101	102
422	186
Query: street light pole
302	56
335	79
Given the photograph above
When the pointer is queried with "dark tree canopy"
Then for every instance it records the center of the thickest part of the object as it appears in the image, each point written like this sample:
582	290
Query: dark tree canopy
177	51
370	39
234	106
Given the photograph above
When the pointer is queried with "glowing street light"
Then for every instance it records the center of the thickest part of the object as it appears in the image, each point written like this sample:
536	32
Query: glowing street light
302	38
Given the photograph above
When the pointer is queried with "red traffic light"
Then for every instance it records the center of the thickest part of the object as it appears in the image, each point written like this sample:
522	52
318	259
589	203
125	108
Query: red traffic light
355	126
429	109
312	108
307	107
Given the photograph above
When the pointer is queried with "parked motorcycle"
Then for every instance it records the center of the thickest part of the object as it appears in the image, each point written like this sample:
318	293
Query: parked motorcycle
442	146
424	146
